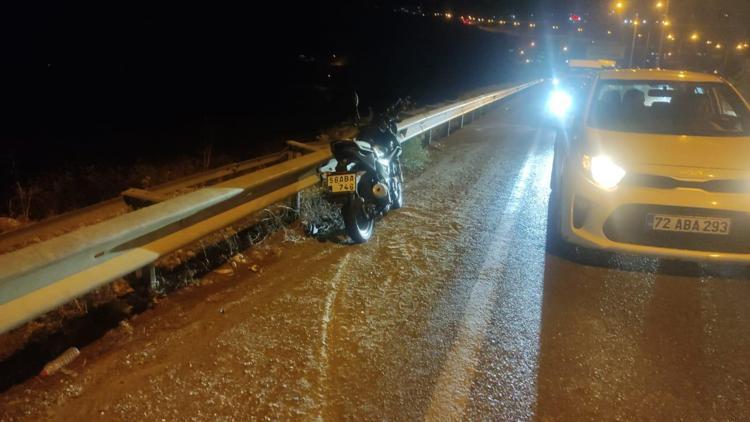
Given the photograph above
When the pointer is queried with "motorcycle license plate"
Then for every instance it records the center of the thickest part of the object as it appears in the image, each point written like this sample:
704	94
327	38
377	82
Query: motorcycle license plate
342	182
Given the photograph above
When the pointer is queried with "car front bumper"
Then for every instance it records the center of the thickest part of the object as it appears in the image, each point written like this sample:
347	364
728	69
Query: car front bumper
589	213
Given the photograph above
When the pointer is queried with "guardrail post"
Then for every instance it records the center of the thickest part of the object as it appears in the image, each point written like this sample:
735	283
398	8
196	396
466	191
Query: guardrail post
429	137
152	277
462	121
449	128
143	280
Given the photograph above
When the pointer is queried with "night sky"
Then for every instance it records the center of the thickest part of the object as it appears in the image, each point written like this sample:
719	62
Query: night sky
97	88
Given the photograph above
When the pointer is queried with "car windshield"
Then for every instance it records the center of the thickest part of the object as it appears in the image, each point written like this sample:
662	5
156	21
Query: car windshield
668	107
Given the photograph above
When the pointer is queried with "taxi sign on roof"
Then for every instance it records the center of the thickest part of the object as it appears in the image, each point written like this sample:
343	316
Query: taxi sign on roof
592	64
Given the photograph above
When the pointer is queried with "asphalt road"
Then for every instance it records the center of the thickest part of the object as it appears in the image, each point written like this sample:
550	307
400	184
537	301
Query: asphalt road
452	311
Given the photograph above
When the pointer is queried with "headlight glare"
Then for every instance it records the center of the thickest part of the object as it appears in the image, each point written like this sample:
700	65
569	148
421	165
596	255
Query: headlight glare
604	172
559	103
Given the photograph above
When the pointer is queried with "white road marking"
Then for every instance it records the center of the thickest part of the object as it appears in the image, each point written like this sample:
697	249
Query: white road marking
451	393
328	314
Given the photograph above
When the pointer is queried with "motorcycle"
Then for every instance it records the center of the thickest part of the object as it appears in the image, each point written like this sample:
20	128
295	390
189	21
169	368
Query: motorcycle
365	178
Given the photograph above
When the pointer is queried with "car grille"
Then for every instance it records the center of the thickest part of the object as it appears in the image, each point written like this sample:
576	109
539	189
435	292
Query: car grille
663	182
627	224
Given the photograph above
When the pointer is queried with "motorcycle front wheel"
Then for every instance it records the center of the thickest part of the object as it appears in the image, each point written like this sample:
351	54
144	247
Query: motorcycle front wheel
359	226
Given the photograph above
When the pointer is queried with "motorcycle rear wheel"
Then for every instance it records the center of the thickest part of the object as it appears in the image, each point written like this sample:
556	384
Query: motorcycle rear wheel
359	226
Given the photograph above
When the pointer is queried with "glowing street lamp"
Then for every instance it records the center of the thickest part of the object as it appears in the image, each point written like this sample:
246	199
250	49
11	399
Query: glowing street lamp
695	37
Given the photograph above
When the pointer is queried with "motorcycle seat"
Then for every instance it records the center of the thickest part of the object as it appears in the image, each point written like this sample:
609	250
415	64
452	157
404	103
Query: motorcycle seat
363	145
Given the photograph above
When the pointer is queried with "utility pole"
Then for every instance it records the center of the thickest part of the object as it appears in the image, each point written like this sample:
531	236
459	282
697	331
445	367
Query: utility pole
665	18
636	22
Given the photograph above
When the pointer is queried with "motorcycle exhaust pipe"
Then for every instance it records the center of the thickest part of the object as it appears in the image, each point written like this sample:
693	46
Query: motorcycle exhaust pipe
380	191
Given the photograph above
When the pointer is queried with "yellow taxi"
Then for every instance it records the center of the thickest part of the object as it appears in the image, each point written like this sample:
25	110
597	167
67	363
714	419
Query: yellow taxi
655	162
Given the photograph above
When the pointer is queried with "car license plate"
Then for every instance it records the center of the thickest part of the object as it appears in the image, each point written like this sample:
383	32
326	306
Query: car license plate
685	224
342	182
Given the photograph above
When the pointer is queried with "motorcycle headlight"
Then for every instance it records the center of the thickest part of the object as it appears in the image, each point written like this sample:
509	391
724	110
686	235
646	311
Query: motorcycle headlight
603	171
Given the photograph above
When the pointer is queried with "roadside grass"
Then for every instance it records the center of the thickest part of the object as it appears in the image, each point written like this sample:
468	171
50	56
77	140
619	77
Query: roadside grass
317	216
72	187
415	156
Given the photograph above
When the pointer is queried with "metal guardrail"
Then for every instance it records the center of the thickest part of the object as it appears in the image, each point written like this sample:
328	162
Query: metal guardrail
417	125
53	227
39	278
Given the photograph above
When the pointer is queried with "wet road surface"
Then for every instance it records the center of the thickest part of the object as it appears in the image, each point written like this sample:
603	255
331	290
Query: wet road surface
452	311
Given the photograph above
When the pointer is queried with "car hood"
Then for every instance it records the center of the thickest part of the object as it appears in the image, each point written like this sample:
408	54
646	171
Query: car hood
642	149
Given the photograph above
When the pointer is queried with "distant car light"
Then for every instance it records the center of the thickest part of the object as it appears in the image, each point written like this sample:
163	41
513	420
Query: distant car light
559	104
604	172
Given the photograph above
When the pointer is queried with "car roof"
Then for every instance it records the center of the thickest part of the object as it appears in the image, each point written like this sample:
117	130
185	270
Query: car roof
658	75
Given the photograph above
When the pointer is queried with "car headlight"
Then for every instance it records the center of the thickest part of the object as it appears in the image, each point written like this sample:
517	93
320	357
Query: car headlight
604	172
559	103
